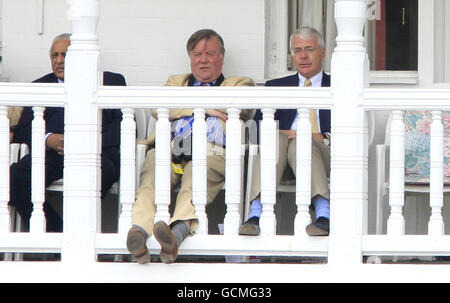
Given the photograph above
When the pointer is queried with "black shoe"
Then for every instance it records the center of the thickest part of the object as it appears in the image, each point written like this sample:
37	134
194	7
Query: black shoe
319	228
250	227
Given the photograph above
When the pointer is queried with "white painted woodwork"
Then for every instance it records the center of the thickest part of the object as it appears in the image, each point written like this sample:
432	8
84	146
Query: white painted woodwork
4	166
82	135
348	97
233	173
37	221
162	166
303	177
268	152
436	224
127	187
396	221
348	175
199	170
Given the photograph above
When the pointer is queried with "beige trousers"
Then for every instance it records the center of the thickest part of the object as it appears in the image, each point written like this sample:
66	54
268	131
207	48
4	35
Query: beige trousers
144	208
320	166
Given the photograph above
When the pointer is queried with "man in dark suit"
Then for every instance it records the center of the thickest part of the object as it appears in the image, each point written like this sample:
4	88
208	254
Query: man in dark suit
20	186
308	54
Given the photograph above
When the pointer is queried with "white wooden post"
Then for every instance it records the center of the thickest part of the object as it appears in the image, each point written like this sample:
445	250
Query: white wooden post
199	171
303	177
436	224
349	77
4	167
162	166
127	168
82	140
37	220
233	172
268	171
396	221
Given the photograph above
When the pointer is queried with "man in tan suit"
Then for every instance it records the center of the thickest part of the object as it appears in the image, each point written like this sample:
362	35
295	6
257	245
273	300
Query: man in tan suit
206	52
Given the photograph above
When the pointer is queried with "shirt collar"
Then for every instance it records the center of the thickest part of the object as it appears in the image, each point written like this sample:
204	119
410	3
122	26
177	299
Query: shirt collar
316	80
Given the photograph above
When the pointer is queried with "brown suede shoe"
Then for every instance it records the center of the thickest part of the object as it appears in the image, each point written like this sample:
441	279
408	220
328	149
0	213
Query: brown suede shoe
137	245
167	240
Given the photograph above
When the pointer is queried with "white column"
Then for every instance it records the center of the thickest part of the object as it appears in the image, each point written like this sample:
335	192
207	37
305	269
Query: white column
82	140
37	221
233	173
436	224
127	192
162	166
349	77
199	171
303	176
4	166
268	171
427	46
396	221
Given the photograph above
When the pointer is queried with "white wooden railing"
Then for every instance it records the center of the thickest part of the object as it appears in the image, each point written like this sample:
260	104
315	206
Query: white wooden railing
348	98
268	244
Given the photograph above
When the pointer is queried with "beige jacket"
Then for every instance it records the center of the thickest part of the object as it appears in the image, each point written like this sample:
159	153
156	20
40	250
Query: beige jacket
182	80
14	113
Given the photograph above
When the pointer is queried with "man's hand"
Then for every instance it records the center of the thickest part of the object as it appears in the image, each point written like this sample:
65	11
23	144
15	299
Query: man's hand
291	134
318	138
56	142
216	113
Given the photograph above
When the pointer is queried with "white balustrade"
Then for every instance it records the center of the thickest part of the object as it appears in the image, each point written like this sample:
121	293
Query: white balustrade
396	221
127	187
233	165
348	99
436	223
199	172
37	221
348	171
162	166
268	152
4	166
303	175
82	135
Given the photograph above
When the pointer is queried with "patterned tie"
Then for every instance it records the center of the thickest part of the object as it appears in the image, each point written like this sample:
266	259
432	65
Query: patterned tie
312	114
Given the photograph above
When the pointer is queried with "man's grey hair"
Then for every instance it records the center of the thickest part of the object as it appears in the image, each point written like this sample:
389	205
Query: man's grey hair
204	34
63	36
307	33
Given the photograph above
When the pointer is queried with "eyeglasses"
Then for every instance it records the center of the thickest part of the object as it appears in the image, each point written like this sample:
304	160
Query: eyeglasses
308	50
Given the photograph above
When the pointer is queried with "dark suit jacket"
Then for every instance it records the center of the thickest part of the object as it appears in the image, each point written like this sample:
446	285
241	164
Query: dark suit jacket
287	116
54	116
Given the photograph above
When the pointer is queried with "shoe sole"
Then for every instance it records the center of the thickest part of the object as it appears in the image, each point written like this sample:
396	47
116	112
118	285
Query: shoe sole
313	230
249	230
167	240
136	244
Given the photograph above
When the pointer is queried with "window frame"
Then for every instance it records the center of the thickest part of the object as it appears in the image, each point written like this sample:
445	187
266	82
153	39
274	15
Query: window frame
432	61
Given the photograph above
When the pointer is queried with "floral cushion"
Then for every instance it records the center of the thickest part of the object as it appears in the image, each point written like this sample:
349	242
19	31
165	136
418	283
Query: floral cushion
417	145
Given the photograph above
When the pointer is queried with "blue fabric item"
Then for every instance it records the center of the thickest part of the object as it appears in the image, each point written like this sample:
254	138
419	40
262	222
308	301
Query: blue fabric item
214	130
183	127
255	209
322	207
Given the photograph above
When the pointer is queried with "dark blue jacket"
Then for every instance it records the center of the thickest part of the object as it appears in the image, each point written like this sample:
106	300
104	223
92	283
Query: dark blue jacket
285	117
54	116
